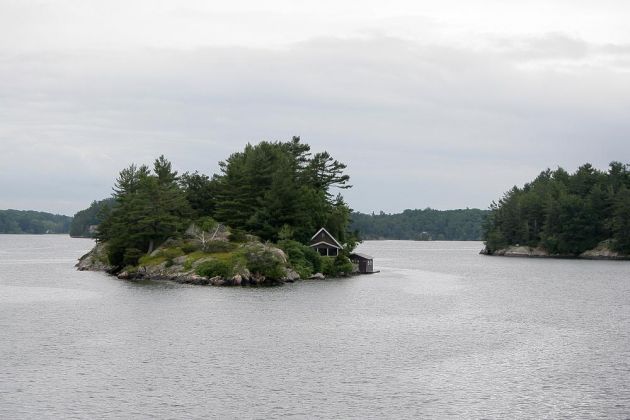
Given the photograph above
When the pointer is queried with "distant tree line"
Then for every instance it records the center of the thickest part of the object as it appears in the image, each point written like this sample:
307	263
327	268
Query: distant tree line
427	224
85	221
33	222
273	190
564	213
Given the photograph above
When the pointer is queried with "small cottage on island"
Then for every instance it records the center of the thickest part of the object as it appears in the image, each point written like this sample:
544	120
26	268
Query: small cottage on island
326	244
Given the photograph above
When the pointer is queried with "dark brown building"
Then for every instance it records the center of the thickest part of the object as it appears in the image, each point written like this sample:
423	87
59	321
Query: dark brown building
365	263
324	243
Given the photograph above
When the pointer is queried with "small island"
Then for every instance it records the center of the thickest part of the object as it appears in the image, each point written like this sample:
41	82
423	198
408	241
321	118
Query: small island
269	217
581	215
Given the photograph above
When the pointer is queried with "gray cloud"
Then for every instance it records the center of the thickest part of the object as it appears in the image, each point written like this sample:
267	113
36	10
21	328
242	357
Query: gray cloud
419	125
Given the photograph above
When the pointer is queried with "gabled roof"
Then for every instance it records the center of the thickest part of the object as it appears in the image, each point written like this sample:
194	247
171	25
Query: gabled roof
327	233
325	243
365	256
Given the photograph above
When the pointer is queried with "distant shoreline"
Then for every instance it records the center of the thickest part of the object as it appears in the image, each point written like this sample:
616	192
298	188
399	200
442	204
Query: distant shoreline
601	253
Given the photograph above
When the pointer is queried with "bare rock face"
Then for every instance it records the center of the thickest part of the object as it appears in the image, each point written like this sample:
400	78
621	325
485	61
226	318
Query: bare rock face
523	251
317	276
95	260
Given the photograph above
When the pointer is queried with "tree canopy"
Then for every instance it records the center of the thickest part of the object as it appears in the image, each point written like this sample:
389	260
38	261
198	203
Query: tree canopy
564	213
273	190
84	220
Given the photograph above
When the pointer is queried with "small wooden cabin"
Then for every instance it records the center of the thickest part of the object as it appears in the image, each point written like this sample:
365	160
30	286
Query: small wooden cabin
363	262
324	243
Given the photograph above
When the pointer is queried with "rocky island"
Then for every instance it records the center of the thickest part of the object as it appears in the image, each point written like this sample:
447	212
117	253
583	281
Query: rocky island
584	215
223	262
252	224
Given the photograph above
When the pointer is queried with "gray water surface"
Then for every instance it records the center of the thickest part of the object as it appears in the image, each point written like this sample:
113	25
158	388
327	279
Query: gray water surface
440	332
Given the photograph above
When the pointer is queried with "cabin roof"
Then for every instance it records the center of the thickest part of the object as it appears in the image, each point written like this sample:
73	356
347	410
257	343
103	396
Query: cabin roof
327	233
364	256
326	243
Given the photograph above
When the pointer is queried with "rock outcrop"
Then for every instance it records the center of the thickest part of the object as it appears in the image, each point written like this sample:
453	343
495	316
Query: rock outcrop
95	260
183	269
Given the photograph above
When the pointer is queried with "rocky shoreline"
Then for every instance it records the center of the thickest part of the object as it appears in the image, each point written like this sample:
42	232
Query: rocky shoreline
179	271
601	252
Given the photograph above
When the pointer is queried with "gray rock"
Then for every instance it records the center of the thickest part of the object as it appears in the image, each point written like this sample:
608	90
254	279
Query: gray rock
291	275
237	280
217	281
317	276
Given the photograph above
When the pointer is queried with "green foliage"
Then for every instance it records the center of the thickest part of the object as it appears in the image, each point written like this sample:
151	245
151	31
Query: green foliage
271	190
33	222
166	254
264	263
564	213
190	247
149	209
131	256
277	190
214	268
621	221
84	220
237	235
219	246
342	265
328	266
304	259
450	225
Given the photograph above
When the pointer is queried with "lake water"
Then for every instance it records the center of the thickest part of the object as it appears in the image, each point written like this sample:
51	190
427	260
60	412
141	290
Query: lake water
440	332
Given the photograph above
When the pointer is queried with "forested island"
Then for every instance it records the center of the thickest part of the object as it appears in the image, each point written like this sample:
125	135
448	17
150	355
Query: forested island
584	214
249	224
422	225
33	222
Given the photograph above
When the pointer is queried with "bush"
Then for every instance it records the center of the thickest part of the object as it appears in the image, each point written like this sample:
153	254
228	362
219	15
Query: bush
170	253
190	247
214	268
131	256
237	235
304	259
219	246
342	265
327	266
335	266
264	263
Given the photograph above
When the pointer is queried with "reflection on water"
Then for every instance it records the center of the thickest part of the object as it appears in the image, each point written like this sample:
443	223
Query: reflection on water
440	332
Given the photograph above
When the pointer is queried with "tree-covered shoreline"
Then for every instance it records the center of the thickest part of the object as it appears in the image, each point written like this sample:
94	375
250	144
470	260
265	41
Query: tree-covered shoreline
564	214
427	224
33	222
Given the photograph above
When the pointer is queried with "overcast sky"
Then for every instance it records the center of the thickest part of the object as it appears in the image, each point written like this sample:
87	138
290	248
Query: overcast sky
443	104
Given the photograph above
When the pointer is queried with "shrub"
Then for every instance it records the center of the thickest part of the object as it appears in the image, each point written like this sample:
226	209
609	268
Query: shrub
190	247
219	246
342	264
131	256
237	235
304	259
328	266
214	268
264	263
170	253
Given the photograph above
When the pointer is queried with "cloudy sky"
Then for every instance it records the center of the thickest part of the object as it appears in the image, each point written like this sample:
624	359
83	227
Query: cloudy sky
442	104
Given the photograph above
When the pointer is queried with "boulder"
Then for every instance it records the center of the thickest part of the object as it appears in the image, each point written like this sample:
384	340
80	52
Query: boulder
237	280
291	275
317	276
217	281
